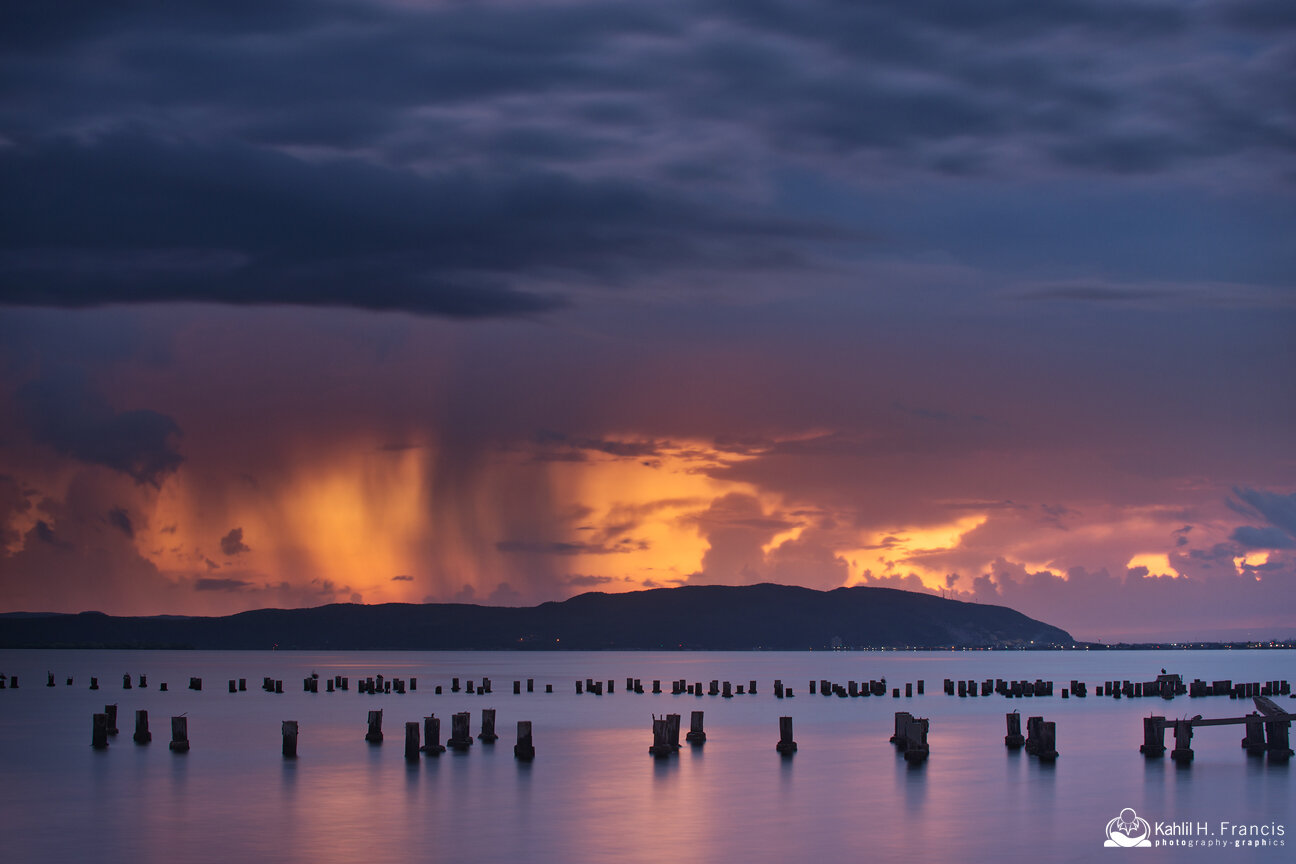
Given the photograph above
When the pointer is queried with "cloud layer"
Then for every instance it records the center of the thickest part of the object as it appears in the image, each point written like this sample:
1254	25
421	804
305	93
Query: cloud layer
311	302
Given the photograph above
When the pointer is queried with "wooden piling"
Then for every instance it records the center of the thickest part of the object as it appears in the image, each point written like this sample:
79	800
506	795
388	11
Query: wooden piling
111	711
460	738
728	691
1033	728
1014	738
902	719
411	741
1153	745
94	683
179	734
1047	748
915	745
99	732
142	733
672	731
233	686
50	681
530	685
1278	742
432	736
524	749
517	688
375	734
1182	751
660	747
289	729
488	735
696	734
786	746
1254	741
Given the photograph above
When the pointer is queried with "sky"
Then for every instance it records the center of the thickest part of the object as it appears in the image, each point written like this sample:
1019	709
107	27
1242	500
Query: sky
375	301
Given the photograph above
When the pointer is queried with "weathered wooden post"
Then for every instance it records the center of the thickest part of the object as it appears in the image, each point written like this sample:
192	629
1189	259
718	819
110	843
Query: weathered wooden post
278	685
460	736
50	681
126	681
1279	744
488	726
1046	750
517	688
672	730
111	711
289	728
1254	742
179	734
524	749
908	690
432	736
94	683
1033	728
375	735
902	719
696	734
1153	745
578	688
1014	737
661	738
530	685
411	741
413	684
728	691
778	688
915	745
921	684
233	686
1182	751
142	733
99	732
786	746
713	689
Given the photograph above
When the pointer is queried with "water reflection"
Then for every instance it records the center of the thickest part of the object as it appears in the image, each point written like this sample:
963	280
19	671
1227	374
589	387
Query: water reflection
912	777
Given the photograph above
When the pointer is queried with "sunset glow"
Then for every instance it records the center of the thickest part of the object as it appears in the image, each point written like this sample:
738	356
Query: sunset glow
500	303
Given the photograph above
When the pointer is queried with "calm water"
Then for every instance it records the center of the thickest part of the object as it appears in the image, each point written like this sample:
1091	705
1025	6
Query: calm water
593	793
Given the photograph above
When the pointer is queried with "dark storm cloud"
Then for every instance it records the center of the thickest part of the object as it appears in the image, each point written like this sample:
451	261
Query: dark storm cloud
620	547
65	412
120	519
216	584
459	160
45	534
232	543
1277	509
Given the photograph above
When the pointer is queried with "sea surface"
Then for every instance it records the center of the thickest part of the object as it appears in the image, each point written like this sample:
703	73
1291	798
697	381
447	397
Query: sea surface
593	793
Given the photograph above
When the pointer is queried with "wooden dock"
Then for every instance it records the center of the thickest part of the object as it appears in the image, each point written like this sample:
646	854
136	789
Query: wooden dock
1268	732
